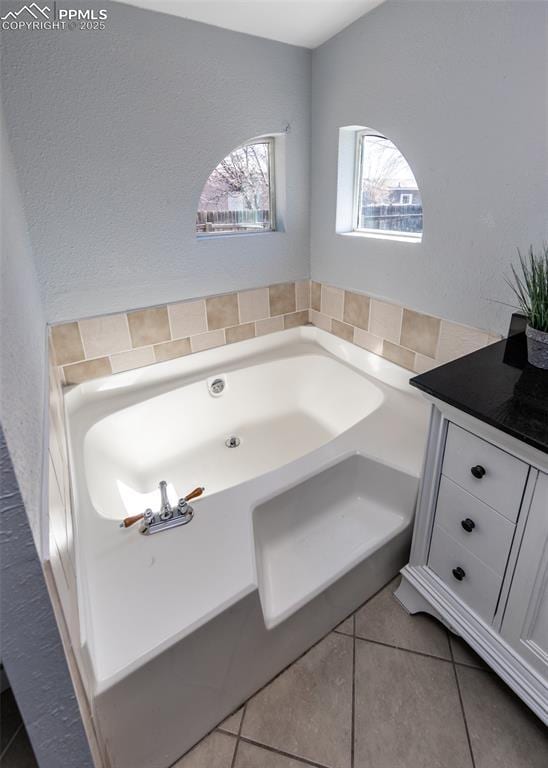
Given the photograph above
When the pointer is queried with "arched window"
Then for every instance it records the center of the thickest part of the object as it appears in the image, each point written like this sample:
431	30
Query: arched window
387	199
238	197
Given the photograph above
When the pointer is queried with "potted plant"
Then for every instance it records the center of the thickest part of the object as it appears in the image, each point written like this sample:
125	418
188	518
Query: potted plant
530	285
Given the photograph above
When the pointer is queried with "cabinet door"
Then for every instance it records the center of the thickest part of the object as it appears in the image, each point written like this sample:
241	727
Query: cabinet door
525	623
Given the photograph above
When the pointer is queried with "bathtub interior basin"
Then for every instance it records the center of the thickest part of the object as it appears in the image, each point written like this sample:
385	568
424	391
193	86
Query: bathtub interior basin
278	410
310	535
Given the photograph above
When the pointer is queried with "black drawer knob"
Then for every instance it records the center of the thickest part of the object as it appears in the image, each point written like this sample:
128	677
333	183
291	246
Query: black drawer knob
468	525
458	573
478	471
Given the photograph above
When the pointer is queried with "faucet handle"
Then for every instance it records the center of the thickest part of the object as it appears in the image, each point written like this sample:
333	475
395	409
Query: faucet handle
146	516
128	521
193	494
183	507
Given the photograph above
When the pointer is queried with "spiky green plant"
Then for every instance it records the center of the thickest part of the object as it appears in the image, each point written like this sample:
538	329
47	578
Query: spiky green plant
530	286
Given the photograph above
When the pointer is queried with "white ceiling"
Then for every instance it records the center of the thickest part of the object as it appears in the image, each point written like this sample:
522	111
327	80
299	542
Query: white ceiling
300	22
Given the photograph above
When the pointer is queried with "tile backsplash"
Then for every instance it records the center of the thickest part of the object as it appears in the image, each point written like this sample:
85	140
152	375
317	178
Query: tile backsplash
414	340
98	346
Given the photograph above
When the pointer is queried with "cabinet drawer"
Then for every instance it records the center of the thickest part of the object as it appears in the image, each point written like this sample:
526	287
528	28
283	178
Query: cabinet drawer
500	479
480	586
475	525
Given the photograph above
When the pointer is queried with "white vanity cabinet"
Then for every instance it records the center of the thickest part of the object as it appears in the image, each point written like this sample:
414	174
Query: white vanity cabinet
479	558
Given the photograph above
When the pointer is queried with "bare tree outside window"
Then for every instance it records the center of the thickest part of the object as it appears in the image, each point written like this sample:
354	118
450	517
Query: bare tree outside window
237	197
388	196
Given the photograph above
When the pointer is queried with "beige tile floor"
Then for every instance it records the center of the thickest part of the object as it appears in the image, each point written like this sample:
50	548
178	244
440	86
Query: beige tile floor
384	690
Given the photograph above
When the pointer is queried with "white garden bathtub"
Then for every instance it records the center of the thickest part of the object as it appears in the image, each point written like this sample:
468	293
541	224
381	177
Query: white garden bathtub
300	524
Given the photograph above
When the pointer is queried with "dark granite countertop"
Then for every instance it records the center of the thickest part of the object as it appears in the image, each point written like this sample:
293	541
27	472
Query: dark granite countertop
496	385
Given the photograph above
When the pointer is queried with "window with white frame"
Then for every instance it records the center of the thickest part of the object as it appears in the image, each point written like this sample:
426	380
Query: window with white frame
238	196
386	195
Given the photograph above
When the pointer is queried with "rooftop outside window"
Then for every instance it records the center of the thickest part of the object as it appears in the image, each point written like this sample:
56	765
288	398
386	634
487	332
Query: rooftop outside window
387	197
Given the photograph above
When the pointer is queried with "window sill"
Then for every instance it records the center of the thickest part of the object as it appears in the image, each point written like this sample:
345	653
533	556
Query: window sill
384	236
221	235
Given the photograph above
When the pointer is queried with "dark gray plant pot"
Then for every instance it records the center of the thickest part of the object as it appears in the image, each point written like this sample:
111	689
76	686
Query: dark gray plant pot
537	347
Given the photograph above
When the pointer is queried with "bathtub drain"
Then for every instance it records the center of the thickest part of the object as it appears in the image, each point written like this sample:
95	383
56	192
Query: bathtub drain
232	441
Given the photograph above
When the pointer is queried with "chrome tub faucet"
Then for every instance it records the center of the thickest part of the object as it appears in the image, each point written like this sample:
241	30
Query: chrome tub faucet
168	516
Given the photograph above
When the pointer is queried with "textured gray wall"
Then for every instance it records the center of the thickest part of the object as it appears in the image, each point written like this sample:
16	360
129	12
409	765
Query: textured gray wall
31	647
114	134
462	89
22	347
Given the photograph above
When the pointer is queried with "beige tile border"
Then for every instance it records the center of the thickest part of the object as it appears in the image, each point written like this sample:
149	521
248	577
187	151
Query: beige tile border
332	302
187	318
92	347
269	325
104	335
414	340
133	358
385	320
169	350
253	305
282	298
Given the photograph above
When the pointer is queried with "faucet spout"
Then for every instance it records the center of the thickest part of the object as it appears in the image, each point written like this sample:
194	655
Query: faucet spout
165	506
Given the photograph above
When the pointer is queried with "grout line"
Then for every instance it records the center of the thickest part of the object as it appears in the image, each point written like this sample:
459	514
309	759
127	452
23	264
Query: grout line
340	632
10	742
171	336
204	302
353	715
277	751
238	737
238	307
126	318
80	334
467	665
461	704
406	650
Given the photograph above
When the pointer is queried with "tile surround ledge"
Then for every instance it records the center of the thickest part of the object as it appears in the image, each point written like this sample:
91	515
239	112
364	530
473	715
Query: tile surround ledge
99	346
415	340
